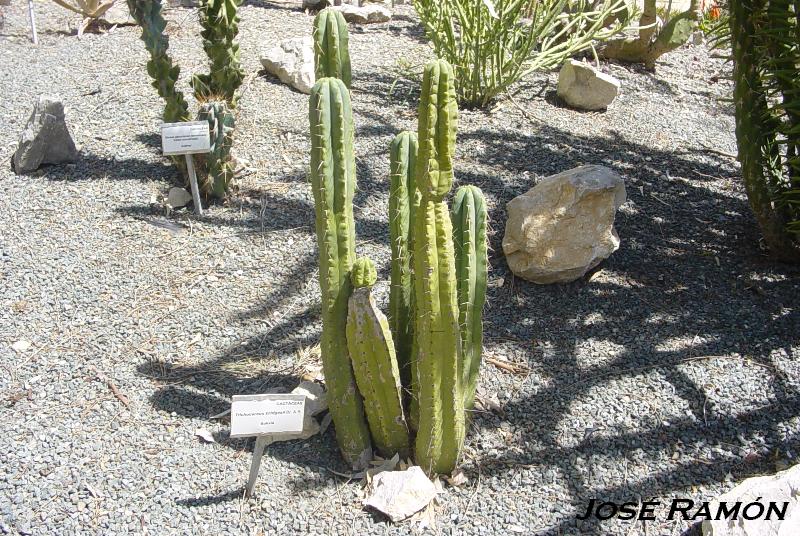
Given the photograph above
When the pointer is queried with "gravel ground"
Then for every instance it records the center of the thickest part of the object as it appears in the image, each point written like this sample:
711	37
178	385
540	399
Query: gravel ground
670	372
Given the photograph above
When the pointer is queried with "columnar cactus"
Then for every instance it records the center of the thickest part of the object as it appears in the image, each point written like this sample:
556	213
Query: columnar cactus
333	180
441	426
403	201
331	51
469	238
218	161
147	14
220	24
369	342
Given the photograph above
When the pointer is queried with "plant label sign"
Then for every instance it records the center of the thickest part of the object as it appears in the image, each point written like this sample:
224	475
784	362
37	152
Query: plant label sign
190	137
259	415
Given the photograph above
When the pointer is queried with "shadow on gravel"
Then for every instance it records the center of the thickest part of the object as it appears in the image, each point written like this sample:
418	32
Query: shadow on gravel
91	167
687	284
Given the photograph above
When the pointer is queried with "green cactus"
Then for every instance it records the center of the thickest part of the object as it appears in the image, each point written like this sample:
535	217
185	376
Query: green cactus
220	23
441	426
147	14
331	51
333	180
469	237
369	342
403	200
218	163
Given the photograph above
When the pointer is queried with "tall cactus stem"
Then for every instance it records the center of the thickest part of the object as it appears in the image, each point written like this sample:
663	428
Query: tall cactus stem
372	353
333	182
441	427
331	49
469	238
147	14
403	199
218	162
220	22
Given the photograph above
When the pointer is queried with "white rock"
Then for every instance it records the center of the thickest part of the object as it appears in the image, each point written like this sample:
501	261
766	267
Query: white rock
367	14
780	488
316	397
292	61
21	346
178	197
581	86
46	138
400	494
564	226
118	14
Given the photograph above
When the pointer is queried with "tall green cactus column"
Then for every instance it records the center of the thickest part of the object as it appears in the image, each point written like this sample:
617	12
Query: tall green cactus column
331	50
220	22
404	199
469	238
369	341
441	428
333	179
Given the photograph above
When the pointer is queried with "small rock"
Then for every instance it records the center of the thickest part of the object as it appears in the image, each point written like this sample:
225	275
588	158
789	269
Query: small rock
178	197
46	138
367	14
21	346
564	226
698	38
400	494
292	61
780	488
183	3
581	86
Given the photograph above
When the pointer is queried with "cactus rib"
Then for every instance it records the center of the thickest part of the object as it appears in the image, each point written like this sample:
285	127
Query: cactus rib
331	50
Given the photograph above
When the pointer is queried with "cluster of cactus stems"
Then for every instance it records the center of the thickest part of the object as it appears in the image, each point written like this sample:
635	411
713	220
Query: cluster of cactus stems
215	91
430	346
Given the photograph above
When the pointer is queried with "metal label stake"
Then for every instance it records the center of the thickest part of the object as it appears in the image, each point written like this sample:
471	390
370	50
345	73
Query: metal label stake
263	416
188	138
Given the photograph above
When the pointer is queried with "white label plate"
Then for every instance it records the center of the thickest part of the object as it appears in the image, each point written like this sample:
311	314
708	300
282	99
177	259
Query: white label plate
253	415
191	137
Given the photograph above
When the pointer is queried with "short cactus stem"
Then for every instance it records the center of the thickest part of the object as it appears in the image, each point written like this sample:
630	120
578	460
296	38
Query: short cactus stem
469	238
221	121
331	49
369	342
403	200
441	427
333	182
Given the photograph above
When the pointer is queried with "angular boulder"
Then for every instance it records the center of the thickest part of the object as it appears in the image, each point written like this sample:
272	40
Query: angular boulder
581	86
119	15
564	226
780	488
46	138
366	14
292	61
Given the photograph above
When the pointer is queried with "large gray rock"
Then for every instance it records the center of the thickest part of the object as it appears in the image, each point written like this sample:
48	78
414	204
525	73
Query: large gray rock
46	138
564	226
780	488
581	86
292	61
366	14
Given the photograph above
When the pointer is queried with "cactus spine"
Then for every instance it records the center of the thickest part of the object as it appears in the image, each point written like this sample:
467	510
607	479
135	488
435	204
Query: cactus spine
403	200
369	342
147	14
441	426
469	239
221	122
220	27
331	51
333	181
